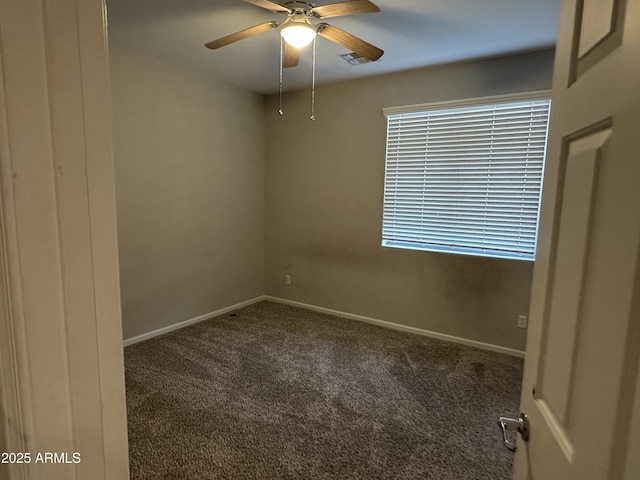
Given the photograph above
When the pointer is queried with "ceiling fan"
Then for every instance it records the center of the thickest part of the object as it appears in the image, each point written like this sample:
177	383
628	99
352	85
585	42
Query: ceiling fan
297	30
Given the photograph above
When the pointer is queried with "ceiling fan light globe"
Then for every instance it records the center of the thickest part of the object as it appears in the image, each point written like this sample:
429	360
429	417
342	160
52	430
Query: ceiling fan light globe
298	36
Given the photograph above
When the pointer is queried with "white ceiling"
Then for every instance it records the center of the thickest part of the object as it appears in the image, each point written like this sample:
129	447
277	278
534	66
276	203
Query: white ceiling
413	33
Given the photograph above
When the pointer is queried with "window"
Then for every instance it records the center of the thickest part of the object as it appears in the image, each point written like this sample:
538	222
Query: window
465	177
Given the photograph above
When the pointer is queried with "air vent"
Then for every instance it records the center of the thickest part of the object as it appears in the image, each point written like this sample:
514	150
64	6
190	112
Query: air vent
355	58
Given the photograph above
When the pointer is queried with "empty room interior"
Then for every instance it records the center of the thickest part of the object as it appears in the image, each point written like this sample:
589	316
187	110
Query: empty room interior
281	316
360	239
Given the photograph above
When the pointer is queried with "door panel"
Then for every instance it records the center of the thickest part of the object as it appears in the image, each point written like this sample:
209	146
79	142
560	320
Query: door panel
598	30
576	203
596	22
581	371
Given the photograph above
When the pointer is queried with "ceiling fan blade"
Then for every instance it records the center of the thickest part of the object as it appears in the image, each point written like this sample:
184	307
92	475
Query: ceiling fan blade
350	42
344	8
241	35
291	56
274	7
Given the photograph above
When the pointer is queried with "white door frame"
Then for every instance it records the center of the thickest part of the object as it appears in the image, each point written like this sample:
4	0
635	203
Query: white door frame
61	353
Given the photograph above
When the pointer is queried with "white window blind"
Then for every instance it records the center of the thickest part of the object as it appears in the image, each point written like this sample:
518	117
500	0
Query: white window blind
466	177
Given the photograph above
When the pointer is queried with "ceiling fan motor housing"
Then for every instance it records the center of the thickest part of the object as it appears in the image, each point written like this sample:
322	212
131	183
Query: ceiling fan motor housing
298	7
299	16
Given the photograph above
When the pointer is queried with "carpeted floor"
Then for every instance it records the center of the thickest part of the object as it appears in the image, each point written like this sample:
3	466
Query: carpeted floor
277	392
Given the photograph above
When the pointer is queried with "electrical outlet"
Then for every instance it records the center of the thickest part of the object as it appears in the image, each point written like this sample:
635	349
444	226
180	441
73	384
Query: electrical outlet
522	321
287	279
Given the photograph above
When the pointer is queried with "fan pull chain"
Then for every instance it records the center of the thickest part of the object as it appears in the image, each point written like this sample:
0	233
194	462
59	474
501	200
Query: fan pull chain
313	82
281	55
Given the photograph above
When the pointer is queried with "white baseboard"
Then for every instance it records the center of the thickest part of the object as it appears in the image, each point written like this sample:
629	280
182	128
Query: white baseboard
186	323
337	313
395	326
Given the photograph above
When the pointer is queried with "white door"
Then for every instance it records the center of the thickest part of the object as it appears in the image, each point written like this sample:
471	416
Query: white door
581	389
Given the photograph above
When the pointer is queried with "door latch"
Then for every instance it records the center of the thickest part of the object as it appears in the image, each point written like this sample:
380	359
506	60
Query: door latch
520	425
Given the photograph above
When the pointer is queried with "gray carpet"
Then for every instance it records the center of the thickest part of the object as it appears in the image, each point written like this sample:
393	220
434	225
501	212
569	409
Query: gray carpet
277	392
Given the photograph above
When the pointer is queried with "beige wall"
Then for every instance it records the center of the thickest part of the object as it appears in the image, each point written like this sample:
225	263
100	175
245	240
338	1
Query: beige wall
324	207
190	176
189	158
